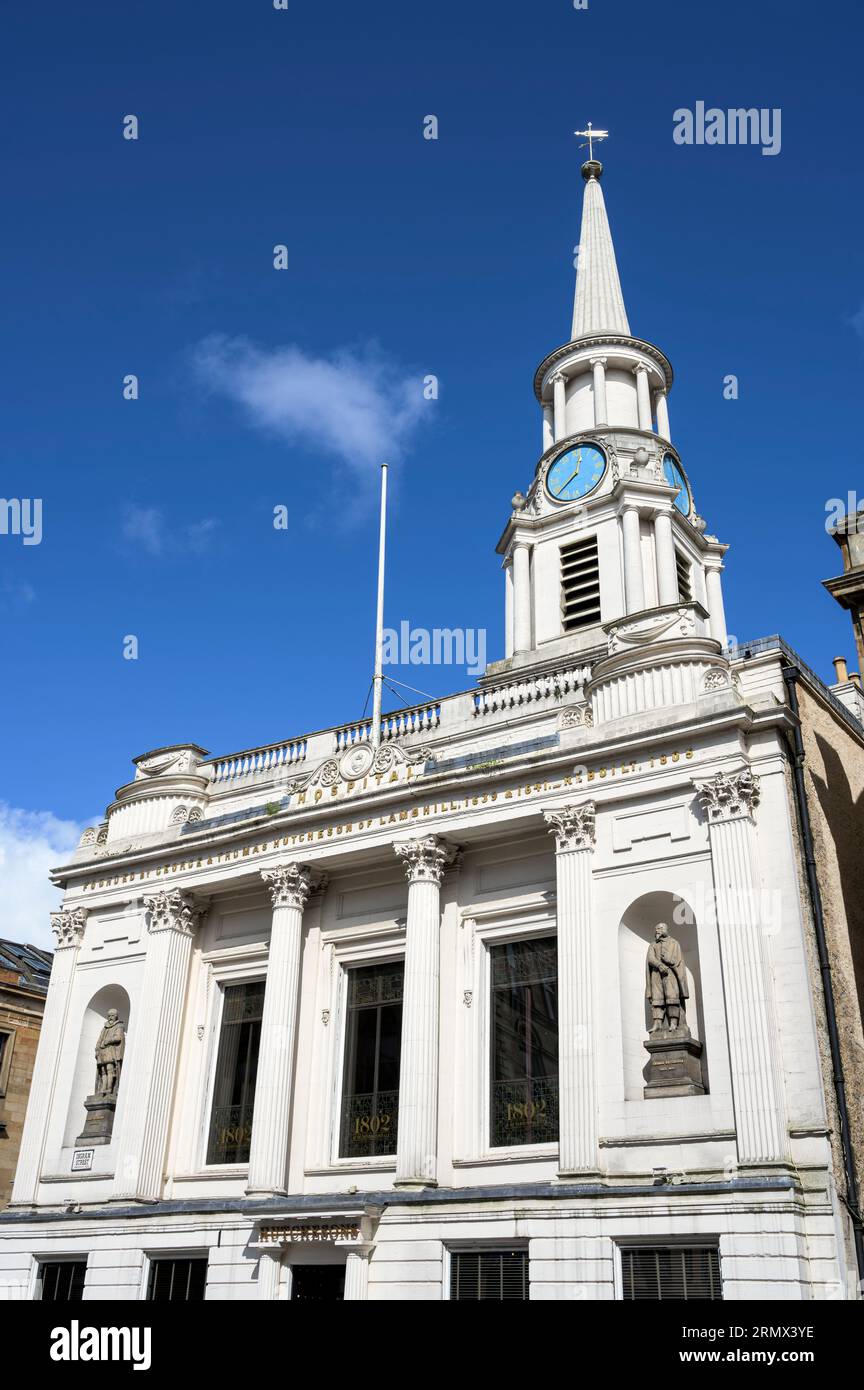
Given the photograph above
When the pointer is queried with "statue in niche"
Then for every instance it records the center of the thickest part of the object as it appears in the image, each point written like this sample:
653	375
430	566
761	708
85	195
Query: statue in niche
666	981
110	1047
675	1065
100	1107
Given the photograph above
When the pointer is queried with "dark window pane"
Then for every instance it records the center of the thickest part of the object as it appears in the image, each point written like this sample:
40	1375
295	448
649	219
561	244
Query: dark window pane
318	1283
524	1101
672	1273
62	1281
373	1040
488	1275
178	1281
236	1068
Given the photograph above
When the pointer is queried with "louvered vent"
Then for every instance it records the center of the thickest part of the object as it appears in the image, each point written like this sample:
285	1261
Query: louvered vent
682	567
580	584
490	1275
672	1273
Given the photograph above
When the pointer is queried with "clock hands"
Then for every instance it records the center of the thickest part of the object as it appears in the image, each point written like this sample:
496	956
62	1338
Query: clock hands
572	475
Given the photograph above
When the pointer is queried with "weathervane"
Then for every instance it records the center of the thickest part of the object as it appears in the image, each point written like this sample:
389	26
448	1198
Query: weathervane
591	135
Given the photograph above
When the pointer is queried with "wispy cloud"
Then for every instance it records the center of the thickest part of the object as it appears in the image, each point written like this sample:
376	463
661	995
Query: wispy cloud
355	405
857	322
15	594
31	844
146	529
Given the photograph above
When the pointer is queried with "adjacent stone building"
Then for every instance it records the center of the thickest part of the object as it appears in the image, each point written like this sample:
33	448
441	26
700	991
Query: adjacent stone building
24	973
547	989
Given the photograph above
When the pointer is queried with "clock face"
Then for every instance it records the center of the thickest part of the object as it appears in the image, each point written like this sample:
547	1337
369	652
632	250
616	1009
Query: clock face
675	478
576	473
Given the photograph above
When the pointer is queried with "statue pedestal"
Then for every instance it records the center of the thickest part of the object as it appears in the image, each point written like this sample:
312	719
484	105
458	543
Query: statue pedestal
675	1068
100	1120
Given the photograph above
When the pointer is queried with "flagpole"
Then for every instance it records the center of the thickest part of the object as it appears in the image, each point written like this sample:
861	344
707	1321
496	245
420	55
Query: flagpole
378	678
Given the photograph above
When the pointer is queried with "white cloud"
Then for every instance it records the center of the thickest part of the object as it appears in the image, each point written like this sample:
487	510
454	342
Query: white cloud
145	528
31	844
355	404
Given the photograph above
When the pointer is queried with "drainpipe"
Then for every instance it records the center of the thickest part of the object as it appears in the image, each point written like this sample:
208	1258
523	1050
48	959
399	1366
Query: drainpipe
790	676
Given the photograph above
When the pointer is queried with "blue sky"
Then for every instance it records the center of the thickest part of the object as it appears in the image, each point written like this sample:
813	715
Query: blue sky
406	257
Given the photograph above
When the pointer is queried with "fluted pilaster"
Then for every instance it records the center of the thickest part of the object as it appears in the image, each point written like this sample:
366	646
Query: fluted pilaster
578	1151
730	803
154	1030
290	886
68	928
425	860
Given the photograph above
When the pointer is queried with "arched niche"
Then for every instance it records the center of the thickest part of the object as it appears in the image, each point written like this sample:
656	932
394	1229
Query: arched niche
635	935
84	1076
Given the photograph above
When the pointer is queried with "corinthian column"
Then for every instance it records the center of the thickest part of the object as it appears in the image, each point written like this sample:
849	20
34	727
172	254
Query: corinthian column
154	1036
68	929
573	828
757	1087
416	1144
290	886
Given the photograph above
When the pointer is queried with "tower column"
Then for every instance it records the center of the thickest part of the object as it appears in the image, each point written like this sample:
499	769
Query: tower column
290	885
559	386
714	590
521	598
154	1031
548	425
600	413
663	416
68	929
578	1148
729	803
508	608
425	859
634	583
664	547
643	398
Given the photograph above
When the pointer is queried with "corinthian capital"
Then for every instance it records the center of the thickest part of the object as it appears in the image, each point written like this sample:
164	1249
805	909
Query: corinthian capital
572	826
68	927
172	910
728	798
425	858
290	884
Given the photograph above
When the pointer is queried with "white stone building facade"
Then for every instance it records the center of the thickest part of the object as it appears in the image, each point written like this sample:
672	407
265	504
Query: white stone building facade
385	1005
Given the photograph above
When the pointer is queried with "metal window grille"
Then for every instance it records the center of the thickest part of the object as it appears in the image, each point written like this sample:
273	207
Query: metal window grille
490	1275
672	1273
178	1281
62	1281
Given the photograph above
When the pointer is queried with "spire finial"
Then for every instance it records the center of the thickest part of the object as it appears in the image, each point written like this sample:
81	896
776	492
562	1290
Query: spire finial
592	168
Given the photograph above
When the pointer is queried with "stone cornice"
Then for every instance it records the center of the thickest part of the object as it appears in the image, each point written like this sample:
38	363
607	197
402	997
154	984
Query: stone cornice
599	340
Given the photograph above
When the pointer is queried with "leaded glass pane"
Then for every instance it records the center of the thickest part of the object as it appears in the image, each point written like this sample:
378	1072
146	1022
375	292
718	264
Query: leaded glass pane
373	1039
236	1069
524	1099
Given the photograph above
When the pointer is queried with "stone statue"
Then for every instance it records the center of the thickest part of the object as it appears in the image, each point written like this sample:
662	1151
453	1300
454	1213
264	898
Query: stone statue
666	981
110	1047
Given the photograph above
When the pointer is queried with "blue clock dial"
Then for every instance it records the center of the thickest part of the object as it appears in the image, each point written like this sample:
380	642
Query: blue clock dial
576	473
675	478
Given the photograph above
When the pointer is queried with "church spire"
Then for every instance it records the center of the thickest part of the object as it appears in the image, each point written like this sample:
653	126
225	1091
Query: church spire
599	304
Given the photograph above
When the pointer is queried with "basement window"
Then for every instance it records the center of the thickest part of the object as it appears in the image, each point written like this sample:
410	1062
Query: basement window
672	1273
